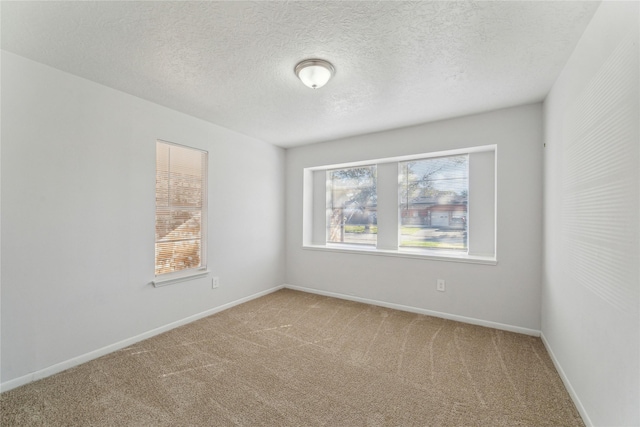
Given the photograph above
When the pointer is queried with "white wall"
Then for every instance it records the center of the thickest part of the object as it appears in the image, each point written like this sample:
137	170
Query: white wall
507	293
591	287
78	200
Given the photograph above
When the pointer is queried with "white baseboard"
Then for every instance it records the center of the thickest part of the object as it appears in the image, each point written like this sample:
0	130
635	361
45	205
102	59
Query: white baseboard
463	319
567	383
63	366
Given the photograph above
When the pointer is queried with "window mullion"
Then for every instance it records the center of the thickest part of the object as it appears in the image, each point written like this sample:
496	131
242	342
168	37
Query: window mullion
388	206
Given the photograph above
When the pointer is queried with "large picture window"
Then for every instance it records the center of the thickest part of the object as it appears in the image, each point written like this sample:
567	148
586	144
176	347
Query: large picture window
439	205
433	195
181	208
351	205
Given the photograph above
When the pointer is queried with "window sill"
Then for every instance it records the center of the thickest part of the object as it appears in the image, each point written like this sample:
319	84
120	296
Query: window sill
171	278
406	253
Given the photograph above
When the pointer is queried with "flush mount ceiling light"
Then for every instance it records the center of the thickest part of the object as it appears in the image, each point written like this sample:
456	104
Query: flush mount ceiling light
314	73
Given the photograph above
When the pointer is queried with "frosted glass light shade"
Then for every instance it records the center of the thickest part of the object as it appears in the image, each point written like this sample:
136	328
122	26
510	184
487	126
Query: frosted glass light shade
314	73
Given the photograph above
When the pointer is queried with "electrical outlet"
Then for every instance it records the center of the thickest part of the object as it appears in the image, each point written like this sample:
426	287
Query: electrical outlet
215	282
440	286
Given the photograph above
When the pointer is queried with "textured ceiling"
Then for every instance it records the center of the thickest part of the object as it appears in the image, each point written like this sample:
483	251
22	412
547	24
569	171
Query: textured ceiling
231	63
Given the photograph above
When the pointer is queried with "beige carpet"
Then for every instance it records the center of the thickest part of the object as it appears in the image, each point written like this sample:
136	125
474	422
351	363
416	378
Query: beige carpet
297	359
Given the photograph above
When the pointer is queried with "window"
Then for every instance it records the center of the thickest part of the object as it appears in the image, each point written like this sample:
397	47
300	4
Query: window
181	208
433	196
439	205
351	205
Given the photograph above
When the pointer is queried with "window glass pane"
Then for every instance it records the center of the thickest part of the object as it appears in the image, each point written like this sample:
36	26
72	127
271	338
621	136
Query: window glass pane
185	177
433	203
180	207
177	224
176	256
351	205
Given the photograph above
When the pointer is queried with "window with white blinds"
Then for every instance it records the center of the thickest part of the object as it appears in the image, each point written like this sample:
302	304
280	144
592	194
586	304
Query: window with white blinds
181	208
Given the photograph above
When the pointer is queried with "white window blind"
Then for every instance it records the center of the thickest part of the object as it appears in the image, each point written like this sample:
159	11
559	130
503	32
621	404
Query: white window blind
181	208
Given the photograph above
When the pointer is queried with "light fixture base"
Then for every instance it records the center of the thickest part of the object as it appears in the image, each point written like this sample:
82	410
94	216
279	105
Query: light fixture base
314	73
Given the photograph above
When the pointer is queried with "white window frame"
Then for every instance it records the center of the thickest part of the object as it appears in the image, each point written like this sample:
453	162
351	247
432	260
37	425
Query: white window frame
314	225
200	271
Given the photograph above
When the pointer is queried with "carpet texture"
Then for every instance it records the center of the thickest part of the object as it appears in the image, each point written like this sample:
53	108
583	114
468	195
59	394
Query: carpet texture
297	359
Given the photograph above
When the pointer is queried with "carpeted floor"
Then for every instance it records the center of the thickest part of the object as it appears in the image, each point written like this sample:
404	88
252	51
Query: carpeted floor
297	359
